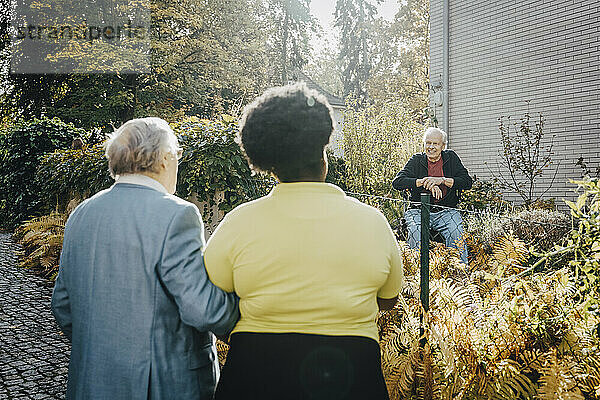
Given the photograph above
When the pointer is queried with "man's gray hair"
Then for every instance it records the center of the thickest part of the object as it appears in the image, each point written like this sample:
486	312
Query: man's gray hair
437	131
138	146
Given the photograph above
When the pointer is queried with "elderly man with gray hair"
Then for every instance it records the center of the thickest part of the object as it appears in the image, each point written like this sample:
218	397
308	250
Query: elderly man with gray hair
132	293
440	172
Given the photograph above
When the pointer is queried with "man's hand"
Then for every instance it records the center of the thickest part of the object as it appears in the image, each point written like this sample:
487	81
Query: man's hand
432	183
436	192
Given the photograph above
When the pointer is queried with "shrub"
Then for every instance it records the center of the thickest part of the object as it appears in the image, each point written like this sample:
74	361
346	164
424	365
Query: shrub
540	228
481	196
524	157
583	245
336	173
65	175
212	162
22	148
378	141
490	338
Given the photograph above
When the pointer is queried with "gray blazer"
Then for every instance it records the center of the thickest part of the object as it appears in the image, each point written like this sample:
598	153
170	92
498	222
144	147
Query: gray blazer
134	298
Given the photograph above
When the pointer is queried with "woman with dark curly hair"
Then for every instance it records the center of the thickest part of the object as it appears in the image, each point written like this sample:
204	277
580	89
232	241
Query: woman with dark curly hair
310	265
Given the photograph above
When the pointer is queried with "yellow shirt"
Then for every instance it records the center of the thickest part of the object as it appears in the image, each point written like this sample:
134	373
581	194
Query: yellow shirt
307	259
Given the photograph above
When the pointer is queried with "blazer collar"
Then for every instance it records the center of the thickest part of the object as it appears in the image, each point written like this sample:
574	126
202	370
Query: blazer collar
142	180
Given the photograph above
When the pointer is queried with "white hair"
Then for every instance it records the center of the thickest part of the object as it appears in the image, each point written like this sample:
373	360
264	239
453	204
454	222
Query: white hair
437	131
138	145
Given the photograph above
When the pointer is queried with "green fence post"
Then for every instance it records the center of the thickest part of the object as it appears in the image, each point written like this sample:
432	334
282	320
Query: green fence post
424	260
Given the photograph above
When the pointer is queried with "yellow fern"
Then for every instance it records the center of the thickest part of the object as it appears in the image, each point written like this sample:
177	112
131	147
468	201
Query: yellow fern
42	239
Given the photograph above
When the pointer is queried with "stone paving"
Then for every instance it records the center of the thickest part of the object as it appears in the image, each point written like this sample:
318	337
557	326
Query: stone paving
34	355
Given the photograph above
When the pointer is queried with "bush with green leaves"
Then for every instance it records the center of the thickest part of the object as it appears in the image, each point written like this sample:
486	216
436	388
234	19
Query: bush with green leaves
65	175
481	196
213	163
583	246
22	148
336	171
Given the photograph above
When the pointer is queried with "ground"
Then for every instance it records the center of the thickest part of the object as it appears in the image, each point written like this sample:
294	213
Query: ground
34	355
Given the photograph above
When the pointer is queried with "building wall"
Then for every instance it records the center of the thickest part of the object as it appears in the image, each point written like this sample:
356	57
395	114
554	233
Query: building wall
504	53
336	143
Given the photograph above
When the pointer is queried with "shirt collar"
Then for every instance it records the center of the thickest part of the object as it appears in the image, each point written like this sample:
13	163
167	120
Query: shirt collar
143	180
306	187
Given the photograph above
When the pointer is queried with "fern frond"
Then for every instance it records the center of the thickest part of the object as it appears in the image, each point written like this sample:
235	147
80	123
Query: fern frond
510	383
558	379
508	254
41	239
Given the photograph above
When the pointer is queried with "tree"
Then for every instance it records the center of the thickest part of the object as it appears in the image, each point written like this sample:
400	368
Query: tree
354	18
206	57
291	23
524	157
401	58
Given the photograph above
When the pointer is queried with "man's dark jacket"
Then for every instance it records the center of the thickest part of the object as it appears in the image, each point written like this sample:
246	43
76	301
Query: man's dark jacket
416	168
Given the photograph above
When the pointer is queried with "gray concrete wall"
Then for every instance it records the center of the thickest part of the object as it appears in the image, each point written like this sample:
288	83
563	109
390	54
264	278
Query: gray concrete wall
503	53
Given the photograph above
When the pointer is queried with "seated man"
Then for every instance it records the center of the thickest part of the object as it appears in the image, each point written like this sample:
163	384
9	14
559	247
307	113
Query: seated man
440	172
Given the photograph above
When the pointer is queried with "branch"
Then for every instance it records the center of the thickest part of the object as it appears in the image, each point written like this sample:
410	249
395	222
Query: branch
544	258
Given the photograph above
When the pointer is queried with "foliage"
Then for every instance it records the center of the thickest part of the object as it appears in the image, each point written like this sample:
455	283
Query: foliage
42	239
208	55
542	227
481	196
525	156
489	334
354	19
68	175
583	247
401	58
22	148
213	163
540	230
85	100
378	141
336	172
325	68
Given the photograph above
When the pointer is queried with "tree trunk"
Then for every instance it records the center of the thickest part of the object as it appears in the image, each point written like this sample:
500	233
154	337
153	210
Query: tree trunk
284	48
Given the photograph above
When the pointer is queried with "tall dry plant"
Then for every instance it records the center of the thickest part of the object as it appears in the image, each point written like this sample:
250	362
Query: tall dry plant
378	141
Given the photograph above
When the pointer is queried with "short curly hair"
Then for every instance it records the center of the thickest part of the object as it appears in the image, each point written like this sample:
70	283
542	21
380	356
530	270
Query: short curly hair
284	132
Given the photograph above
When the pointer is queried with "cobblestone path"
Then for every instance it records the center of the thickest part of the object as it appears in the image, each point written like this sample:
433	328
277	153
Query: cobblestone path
33	353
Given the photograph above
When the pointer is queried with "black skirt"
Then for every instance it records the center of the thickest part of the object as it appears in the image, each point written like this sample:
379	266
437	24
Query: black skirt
297	366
